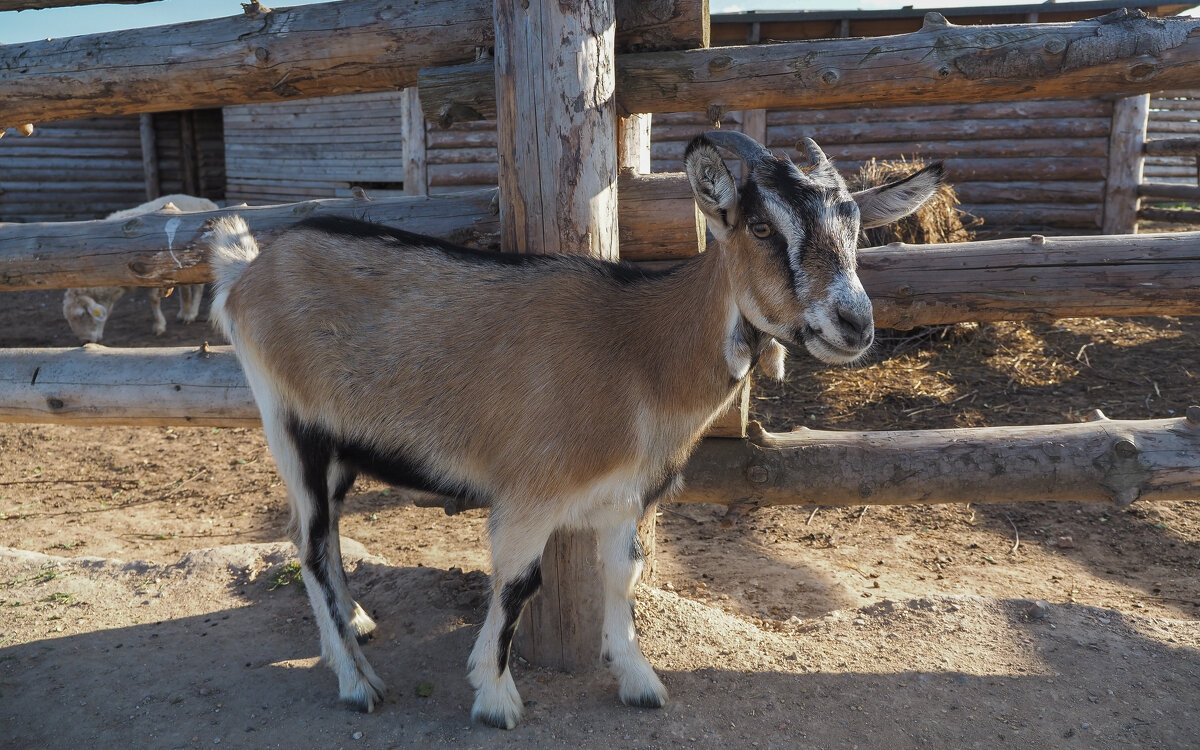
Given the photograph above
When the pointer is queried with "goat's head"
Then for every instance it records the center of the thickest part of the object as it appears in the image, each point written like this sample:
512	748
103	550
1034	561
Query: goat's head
791	234
85	315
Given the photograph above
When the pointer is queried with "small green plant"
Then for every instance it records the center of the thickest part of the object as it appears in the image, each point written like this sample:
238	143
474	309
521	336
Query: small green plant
59	597
286	575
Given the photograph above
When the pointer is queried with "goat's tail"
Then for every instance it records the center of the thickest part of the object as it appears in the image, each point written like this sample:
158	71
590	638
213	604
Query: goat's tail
231	249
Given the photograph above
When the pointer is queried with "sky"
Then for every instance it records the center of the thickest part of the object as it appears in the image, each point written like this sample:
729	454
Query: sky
30	25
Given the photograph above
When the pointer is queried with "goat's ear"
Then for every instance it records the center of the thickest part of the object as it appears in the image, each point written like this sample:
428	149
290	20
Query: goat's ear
887	203
714	187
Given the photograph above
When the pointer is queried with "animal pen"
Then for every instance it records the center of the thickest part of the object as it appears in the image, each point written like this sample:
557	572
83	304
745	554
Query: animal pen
573	87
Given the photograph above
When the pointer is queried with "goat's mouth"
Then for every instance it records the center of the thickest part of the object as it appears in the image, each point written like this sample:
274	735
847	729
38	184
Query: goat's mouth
826	350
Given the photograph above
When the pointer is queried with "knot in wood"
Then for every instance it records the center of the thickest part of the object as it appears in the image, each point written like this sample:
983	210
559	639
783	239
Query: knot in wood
139	269
1193	416
1125	448
1054	45
1142	71
261	54
934	20
55	403
1037	239
130	227
830	76
944	71
720	63
757	474
304	209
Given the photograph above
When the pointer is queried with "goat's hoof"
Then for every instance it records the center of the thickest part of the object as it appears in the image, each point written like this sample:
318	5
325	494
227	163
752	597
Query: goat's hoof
498	707
365	696
362	625
652	695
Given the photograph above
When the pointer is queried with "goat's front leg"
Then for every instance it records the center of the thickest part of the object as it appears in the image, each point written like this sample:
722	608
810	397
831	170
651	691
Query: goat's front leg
190	296
622	558
155	295
516	576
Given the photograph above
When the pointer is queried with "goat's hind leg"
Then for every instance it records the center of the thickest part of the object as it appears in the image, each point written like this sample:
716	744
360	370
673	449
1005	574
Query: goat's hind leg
305	457
622	558
341	479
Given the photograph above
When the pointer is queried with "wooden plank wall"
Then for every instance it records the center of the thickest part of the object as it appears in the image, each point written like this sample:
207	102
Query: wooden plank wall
1020	166
315	148
204	173
1173	114
71	171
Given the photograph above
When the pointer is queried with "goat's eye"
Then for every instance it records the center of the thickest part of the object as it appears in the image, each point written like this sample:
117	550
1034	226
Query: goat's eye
761	230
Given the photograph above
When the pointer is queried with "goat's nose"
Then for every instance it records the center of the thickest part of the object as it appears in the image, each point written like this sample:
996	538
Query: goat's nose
857	327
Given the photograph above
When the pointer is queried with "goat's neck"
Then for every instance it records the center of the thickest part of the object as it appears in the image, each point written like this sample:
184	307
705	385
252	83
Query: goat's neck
692	324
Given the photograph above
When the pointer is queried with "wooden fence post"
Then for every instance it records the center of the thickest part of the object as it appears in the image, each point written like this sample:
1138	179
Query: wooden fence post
416	175
1125	161
557	153
149	156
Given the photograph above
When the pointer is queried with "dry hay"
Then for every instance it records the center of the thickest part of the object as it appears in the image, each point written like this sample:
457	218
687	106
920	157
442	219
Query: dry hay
939	220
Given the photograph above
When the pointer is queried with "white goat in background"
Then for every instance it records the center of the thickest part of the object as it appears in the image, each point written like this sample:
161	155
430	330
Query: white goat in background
87	308
566	391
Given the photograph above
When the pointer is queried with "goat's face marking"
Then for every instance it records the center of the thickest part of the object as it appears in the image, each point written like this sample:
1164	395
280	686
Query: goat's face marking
791	235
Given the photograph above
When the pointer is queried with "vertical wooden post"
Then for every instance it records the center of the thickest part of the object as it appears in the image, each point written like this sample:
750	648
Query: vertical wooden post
189	167
557	154
416	174
633	158
150	157
1126	158
754	121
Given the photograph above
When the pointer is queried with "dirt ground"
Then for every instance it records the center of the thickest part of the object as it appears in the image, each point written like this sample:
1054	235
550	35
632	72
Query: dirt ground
955	626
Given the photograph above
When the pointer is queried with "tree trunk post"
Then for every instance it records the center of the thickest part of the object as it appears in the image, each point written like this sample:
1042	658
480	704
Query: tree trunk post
557	154
1126	158
416	175
149	156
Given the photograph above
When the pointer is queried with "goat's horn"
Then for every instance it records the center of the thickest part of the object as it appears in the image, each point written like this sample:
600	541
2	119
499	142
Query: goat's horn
816	157
746	148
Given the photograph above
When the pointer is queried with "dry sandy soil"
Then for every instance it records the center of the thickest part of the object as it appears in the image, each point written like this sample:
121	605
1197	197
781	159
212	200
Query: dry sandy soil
141	605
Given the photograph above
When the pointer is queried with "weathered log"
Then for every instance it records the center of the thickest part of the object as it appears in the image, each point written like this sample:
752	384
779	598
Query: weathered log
1018	130
1116	461
1173	216
1076	109
290	53
1106	461
1063	216
557	150
293	53
657	216
95	385
1173	147
1033	279
416	174
1165	190
163	249
1121	53
1126	160
1040	191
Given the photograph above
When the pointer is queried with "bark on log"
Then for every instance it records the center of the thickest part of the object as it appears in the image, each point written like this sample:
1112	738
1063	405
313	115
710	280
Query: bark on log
1038	278
1114	461
1126	160
1121	53
1173	147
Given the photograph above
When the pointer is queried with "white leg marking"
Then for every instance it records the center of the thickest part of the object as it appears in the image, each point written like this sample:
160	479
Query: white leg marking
620	555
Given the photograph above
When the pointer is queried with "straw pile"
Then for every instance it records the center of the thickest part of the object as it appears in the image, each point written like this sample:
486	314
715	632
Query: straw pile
939	220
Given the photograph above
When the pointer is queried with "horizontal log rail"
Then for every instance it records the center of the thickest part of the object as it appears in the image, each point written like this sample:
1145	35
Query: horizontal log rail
1169	190
43	4
1113	461
1169	215
1122	53
361	45
657	220
272	55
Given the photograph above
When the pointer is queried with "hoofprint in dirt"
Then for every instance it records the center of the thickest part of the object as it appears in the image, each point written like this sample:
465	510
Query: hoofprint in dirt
213	650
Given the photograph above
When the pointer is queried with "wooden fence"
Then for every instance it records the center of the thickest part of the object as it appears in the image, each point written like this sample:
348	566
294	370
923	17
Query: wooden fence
365	45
